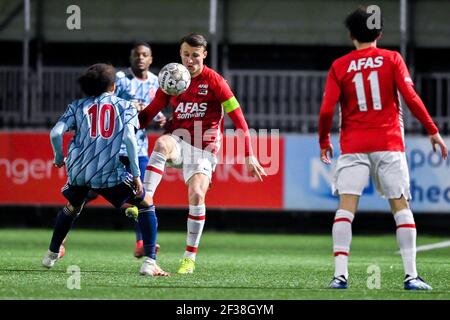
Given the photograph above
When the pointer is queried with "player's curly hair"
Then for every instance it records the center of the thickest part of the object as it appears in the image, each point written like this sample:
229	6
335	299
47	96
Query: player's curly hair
194	40
141	43
356	23
97	79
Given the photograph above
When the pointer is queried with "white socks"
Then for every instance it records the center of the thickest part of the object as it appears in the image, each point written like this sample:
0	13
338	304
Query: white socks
342	237
406	239
195	223
154	172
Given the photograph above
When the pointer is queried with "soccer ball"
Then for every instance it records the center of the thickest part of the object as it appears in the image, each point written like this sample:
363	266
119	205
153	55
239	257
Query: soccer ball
174	79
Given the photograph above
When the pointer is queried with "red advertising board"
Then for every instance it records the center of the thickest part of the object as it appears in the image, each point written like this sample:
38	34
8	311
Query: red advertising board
28	177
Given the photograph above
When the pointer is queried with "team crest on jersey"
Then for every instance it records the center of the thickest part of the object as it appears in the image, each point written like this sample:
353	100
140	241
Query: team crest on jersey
203	89
152	93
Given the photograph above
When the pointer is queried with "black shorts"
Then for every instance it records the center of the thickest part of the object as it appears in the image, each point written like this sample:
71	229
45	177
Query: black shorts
117	195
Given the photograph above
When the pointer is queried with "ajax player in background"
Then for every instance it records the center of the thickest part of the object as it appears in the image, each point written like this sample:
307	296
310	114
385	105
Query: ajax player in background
194	137
367	82
102	122
138	85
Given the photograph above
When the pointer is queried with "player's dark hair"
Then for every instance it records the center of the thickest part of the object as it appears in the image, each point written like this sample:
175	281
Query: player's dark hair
97	79
141	43
356	23
194	40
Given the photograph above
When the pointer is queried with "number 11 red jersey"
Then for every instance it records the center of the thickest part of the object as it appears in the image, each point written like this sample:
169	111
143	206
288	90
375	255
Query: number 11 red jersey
367	84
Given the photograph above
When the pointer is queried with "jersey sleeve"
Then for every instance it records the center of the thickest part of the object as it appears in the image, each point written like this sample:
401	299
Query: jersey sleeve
131	115
66	122
123	86
129	138
221	89
158	103
69	117
405	85
232	107
330	99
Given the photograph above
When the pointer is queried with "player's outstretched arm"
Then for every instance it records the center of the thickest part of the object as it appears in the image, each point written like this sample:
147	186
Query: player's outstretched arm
129	139
437	139
56	135
330	99
160	118
148	114
234	111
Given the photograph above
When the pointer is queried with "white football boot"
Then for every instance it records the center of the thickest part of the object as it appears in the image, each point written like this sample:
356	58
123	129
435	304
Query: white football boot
150	268
50	259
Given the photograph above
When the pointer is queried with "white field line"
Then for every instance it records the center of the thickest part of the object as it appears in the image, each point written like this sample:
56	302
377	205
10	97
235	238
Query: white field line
432	246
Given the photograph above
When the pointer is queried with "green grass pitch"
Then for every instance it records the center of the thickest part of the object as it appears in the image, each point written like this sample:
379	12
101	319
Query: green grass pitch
229	266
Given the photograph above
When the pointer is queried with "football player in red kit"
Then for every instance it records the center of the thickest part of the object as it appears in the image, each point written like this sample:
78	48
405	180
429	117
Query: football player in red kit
367	82
194	137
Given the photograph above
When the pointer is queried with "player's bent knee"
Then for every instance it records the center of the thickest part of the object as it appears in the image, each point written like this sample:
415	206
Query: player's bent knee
163	145
196	197
146	202
74	211
399	204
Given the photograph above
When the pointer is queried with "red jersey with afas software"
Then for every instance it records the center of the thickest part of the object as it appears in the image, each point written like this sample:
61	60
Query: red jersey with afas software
197	111
367	84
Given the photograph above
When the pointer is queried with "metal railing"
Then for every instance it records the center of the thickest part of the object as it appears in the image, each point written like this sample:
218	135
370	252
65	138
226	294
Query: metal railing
434	89
290	100
11	95
286	100
51	89
54	89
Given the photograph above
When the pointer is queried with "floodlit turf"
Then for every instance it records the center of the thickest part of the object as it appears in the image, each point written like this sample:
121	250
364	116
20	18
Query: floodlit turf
229	266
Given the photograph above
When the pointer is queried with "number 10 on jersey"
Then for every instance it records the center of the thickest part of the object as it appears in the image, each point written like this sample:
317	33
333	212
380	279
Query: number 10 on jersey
102	118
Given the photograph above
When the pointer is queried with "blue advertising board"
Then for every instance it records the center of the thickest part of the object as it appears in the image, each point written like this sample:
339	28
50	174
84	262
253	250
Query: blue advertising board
307	181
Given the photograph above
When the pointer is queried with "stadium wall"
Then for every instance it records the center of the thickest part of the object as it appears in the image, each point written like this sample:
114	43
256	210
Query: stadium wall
296	181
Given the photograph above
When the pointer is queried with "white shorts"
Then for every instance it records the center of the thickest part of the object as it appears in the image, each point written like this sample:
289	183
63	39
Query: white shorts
388	170
191	159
